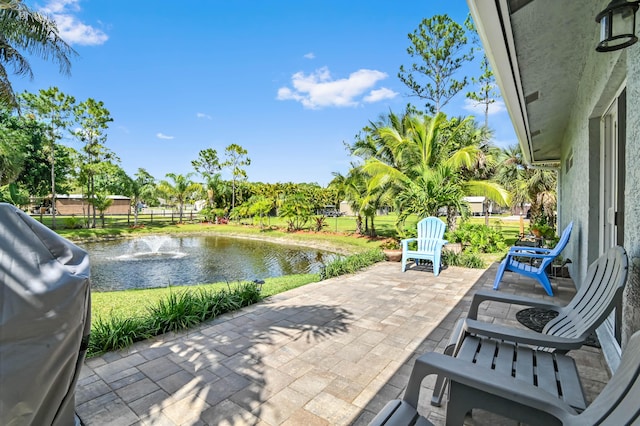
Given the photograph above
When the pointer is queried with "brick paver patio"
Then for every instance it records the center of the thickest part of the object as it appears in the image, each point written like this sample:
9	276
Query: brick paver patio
328	353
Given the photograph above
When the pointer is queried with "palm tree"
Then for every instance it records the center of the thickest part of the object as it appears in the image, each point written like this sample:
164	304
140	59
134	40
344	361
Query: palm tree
25	32
536	186
101	202
353	187
423	165
180	190
140	187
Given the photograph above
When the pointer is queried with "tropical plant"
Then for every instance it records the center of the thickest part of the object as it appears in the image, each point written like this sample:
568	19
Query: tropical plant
141	187
259	207
180	190
529	185
421	160
26	33
477	238
101	202
296	210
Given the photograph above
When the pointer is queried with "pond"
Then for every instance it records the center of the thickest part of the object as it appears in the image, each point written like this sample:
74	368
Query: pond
160	261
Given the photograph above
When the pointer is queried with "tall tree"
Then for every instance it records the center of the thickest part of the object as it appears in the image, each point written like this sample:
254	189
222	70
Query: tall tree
13	138
486	85
236	159
53	108
208	163
24	32
93	120
26	137
441	49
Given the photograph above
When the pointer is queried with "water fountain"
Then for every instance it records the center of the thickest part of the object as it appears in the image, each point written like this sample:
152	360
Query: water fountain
152	249
158	261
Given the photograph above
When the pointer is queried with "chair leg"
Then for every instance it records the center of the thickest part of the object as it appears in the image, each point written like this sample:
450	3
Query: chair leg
501	269
404	261
546	284
455	339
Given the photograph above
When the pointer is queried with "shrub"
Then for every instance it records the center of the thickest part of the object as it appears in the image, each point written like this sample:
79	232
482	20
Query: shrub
320	222
477	238
466	260
178	311
350	264
73	222
116	333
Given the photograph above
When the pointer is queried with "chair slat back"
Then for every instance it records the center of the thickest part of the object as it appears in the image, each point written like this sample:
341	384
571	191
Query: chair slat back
430	233
564	239
595	299
617	403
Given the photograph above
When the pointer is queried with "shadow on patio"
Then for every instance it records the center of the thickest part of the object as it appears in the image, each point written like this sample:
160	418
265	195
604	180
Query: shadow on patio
328	353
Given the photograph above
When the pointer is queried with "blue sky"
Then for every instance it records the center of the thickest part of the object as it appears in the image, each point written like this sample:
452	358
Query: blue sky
290	81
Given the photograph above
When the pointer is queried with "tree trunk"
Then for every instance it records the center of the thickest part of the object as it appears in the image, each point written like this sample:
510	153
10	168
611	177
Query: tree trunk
451	218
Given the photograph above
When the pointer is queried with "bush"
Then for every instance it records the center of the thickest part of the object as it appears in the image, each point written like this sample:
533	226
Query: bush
465	260
73	222
180	310
477	238
351	264
116	333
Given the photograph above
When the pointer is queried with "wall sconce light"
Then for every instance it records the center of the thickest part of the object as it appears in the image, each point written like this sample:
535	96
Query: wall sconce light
617	25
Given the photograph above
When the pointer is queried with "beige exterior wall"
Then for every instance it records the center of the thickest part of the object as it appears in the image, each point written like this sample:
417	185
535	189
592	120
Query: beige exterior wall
77	206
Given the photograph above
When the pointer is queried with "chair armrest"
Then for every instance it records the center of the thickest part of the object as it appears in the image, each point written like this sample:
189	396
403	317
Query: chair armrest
530	249
532	255
485	380
494	296
406	241
520	336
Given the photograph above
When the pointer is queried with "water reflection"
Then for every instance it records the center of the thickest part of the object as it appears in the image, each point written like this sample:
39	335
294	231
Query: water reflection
126	264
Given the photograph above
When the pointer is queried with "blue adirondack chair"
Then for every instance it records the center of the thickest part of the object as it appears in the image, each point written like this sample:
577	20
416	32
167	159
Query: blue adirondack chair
430	241
515	261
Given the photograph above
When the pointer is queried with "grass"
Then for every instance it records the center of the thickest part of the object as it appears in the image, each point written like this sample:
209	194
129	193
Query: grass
135	303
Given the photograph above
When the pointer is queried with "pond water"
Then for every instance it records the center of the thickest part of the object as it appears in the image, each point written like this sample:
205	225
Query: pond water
186	260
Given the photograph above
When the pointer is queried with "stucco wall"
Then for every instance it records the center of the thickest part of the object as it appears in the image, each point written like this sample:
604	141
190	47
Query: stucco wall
631	308
602	77
579	186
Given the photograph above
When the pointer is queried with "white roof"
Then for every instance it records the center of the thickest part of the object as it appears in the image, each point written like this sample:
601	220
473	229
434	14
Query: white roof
474	199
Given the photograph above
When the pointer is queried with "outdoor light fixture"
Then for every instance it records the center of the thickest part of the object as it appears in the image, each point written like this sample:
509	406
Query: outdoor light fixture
617	25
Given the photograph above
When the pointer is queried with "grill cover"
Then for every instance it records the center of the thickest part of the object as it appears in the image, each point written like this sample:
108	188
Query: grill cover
44	321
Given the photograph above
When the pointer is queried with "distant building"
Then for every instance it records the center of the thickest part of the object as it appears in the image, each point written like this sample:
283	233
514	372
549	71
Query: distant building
69	204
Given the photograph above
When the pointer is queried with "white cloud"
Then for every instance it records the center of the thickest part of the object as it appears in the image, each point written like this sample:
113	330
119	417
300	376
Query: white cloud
71	29
319	89
478	108
310	55
380	95
163	136
203	115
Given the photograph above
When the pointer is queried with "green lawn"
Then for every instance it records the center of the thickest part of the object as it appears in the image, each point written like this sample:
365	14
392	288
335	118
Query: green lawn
134	303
